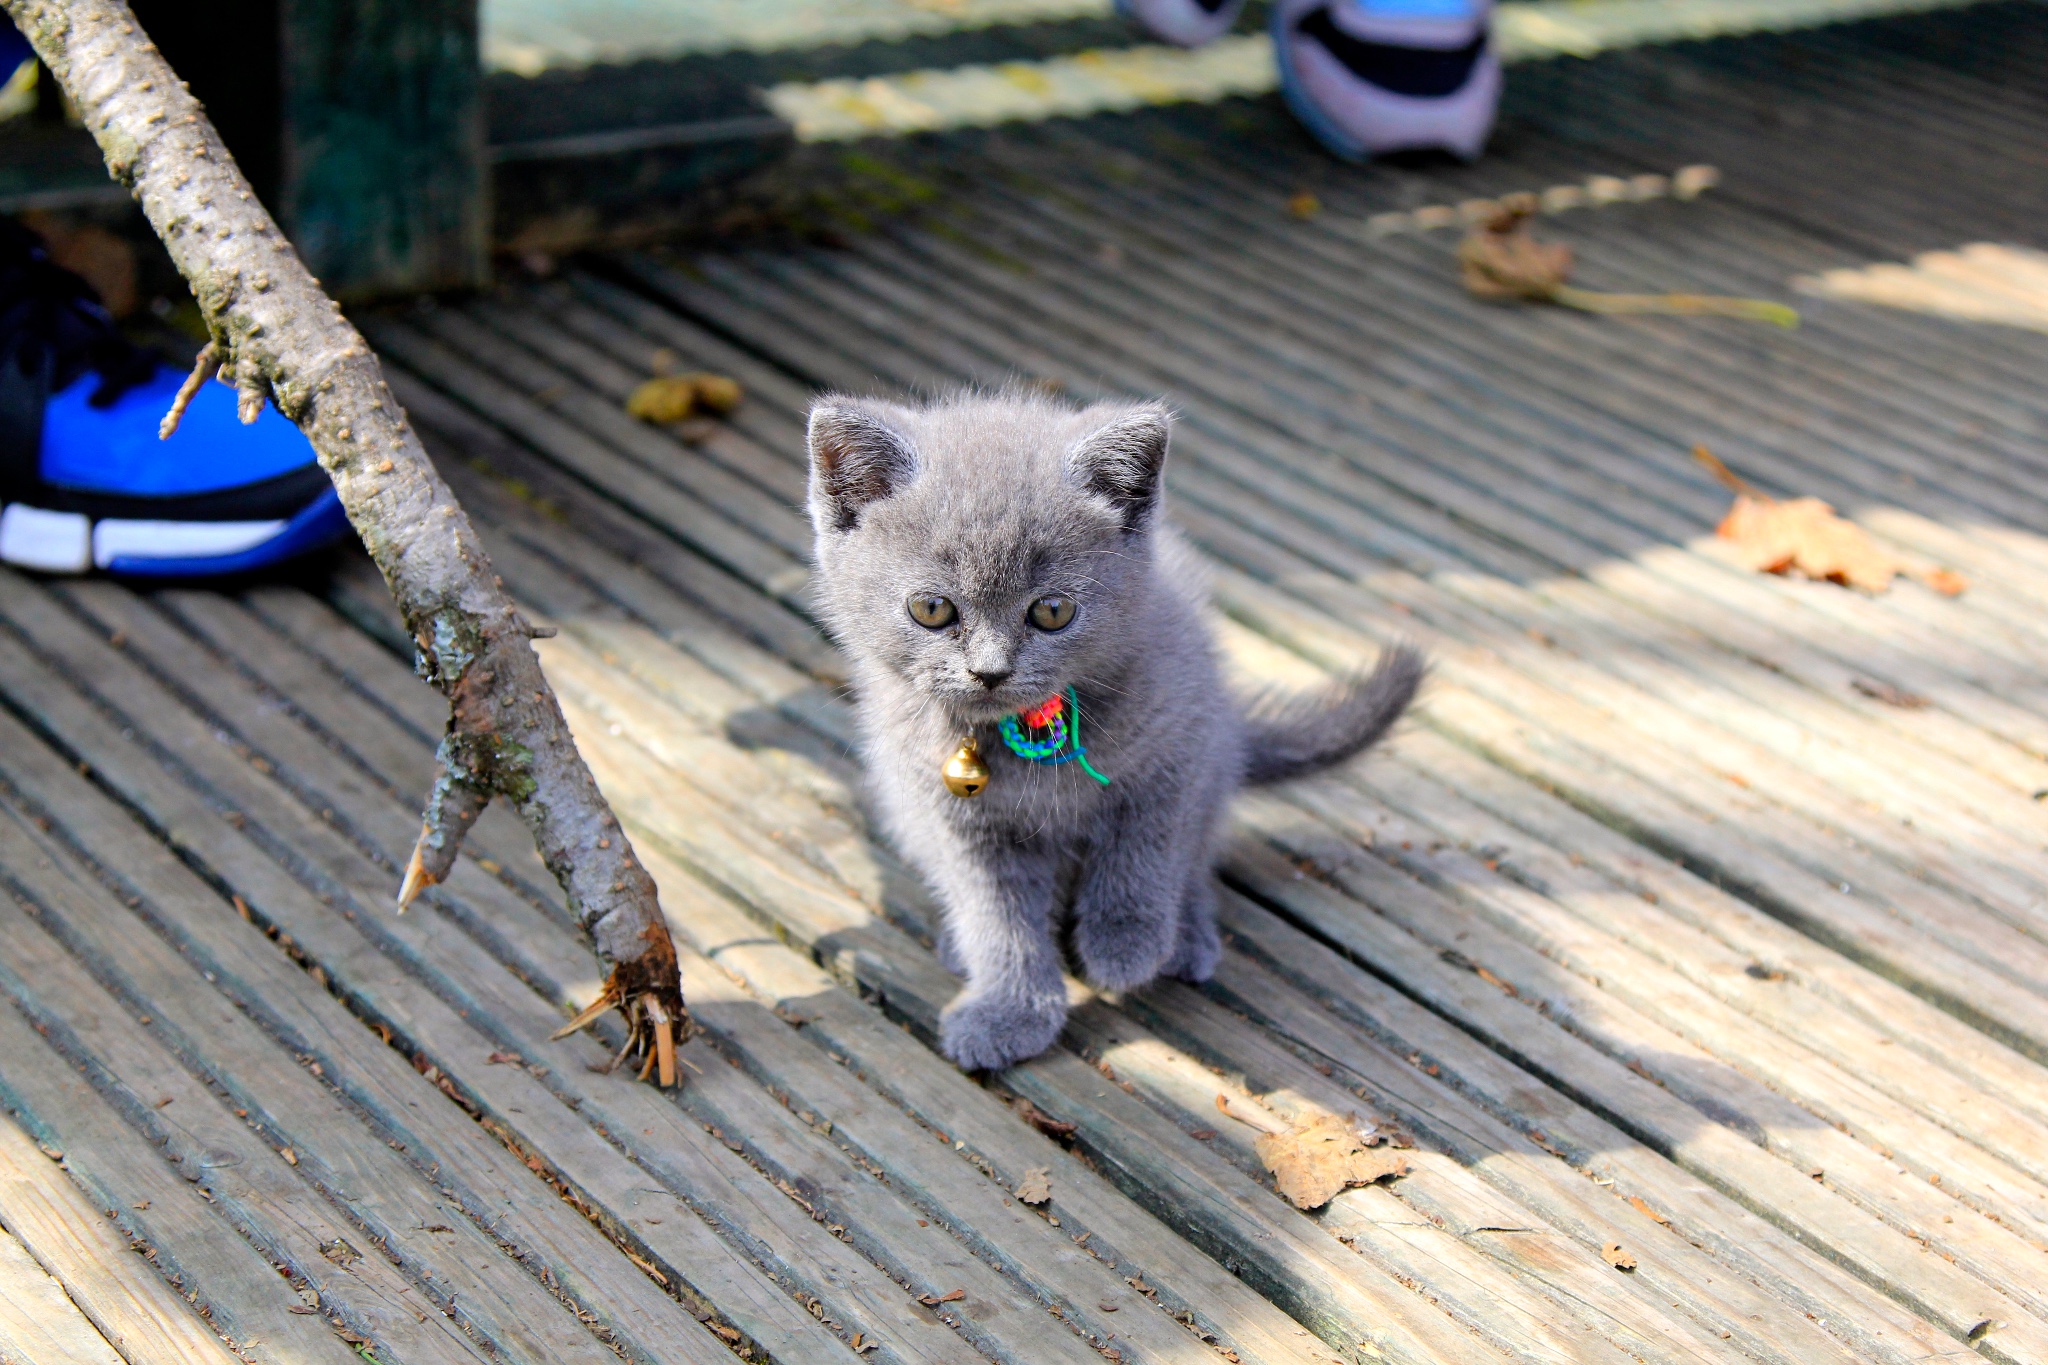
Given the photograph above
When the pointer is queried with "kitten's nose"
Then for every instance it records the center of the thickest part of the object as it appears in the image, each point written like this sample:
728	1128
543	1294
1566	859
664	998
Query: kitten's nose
991	678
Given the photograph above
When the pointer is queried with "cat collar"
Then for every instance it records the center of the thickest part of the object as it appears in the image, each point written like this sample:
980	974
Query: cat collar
1049	732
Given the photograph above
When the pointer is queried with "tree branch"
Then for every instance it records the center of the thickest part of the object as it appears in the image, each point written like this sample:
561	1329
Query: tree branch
277	337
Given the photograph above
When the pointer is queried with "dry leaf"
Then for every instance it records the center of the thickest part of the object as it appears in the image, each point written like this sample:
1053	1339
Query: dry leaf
1036	1187
1313	1162
1501	261
1618	1257
664	398
1805	536
720	393
672	397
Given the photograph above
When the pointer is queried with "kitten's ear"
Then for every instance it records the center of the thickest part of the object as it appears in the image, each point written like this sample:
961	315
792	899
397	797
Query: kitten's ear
857	458
1122	460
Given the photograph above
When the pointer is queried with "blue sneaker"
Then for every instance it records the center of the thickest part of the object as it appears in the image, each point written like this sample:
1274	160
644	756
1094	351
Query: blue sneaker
1184	23
85	482
1374	76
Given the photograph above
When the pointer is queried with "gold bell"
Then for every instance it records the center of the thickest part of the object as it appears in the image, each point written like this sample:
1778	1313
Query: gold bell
965	773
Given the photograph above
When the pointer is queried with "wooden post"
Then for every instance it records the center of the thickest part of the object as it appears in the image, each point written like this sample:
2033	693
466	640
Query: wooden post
360	124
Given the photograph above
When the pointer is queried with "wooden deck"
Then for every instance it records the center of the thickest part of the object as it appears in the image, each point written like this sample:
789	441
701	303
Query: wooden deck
1659	925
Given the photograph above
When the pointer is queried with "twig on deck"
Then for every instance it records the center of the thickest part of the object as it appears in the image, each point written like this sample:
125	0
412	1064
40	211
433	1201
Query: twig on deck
276	337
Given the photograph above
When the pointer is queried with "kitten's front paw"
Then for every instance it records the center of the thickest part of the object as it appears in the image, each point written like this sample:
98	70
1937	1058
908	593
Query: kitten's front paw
988	1033
1199	950
1122	952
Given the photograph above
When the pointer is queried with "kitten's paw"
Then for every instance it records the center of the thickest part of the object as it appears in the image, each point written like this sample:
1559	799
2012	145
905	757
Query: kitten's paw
1122	952
1196	955
988	1033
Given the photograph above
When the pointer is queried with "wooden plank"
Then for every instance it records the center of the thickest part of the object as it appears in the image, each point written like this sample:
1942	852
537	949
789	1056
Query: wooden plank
132	1308
974	1206
614	362
141	1093
1768	875
1722	1102
39	1324
677	511
1855	1005
1770	1270
1789	1198
490	1185
1914	1130
989	1134
770	518
804	904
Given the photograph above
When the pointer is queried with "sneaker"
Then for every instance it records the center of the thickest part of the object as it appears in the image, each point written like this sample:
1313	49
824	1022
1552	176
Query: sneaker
84	480
1374	76
1184	23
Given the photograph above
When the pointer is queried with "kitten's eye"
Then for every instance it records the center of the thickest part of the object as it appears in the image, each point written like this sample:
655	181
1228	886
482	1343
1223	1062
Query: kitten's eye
932	611
1052	613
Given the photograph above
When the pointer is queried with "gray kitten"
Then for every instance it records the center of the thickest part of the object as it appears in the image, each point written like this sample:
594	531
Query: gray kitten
979	555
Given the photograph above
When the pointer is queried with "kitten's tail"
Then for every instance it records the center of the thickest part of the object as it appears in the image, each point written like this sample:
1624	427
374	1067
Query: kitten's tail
1296	733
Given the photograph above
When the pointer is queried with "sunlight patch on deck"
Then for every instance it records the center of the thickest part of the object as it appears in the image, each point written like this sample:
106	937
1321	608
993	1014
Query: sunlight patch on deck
530	36
1109	80
1982	282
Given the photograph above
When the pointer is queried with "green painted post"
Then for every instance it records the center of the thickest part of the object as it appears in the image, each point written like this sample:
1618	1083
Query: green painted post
360	123
384	183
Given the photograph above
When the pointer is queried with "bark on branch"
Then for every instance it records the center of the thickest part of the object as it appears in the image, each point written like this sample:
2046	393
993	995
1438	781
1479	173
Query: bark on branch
277	337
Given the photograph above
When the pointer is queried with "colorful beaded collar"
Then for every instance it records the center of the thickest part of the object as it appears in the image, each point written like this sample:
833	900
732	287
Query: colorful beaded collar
1048	733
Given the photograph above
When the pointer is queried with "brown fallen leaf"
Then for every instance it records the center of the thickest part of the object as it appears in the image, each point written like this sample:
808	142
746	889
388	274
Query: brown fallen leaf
1313	1162
1035	1187
672	397
1889	695
1807	537
1501	261
1039	1119
1617	1256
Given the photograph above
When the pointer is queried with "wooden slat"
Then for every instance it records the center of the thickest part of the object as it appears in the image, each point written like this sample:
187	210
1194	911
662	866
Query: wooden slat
489	1184
132	1308
242	1178
38	1321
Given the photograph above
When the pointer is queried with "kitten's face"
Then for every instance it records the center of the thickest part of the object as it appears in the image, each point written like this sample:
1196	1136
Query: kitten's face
985	550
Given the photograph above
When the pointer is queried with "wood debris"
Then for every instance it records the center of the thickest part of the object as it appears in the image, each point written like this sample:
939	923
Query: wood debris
1036	1186
672	397
1889	695
1039	1119
1807	537
1644	1209
1501	261
1618	1256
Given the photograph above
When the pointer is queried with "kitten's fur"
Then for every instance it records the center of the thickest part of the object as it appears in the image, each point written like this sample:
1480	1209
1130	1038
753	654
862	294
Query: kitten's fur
994	501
